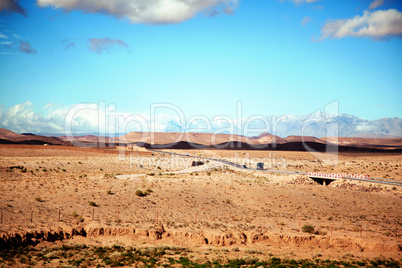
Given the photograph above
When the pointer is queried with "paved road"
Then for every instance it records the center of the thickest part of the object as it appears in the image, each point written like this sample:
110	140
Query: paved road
373	180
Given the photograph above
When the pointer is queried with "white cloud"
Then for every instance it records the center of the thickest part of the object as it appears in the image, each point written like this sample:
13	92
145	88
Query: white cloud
67	44
99	45
380	24
90	118
20	46
365	127
17	36
305	20
145	11
298	2
376	3
22	118
83	118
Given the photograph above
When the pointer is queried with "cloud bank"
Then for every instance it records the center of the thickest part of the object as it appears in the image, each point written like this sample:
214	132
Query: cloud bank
22	118
99	45
146	11
12	6
98	118
379	25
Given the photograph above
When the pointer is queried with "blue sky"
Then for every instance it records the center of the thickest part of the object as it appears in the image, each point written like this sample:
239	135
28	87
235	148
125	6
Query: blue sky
276	57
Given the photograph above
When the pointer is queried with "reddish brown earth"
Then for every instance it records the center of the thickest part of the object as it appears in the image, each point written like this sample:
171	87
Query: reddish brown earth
206	208
196	140
365	142
7	136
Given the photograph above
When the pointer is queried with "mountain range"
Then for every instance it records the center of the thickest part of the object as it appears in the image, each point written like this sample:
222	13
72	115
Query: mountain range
277	132
316	125
178	140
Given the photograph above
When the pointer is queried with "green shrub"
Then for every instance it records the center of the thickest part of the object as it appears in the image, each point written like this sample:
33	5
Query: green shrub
92	203
140	193
308	228
74	214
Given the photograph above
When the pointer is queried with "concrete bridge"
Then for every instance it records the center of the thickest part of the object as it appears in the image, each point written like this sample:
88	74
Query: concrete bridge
323	180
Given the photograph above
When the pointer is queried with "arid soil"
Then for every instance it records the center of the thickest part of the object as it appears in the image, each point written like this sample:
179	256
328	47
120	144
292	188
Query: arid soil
225	212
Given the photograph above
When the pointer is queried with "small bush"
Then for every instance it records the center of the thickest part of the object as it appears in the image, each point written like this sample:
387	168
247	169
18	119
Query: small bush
74	214
77	216
319	232
148	191
92	203
308	228
39	199
140	193
109	192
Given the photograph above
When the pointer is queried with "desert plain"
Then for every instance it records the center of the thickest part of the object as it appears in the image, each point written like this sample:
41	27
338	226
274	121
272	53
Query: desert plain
64	196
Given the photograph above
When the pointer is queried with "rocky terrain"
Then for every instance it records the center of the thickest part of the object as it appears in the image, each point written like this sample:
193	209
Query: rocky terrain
53	196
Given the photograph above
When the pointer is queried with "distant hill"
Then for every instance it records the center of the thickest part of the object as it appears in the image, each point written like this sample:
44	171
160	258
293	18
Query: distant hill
266	141
176	140
7	136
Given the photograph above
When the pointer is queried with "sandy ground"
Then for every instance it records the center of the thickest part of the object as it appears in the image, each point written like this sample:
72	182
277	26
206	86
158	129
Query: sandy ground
47	189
